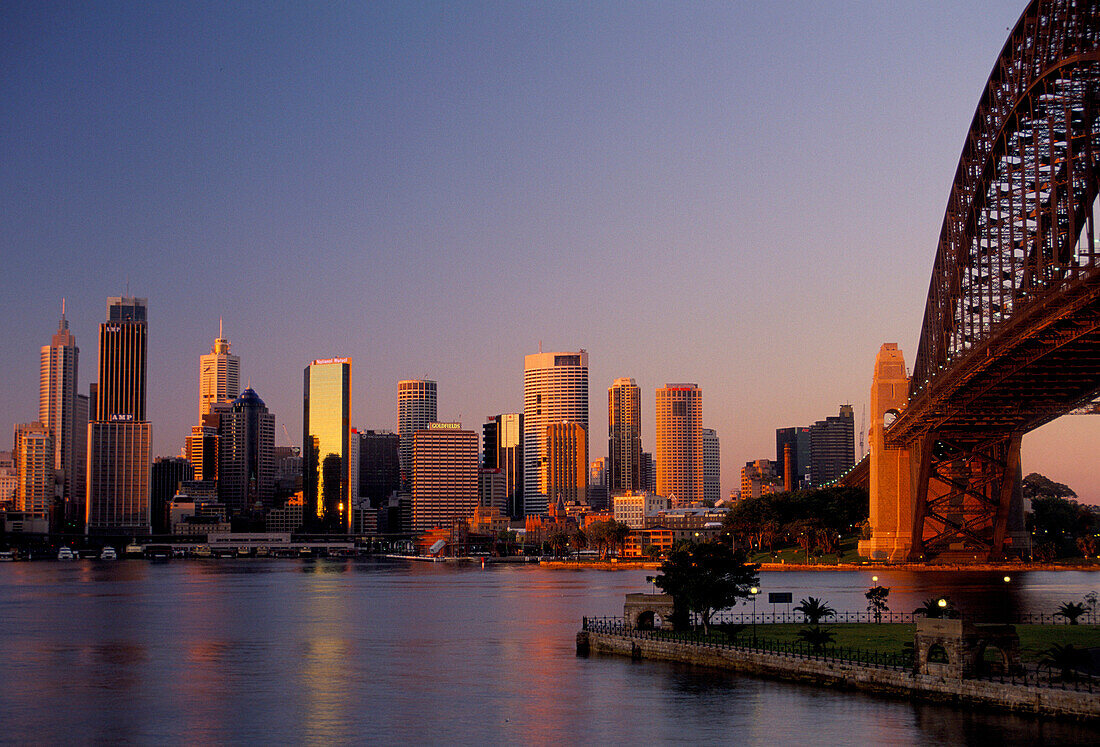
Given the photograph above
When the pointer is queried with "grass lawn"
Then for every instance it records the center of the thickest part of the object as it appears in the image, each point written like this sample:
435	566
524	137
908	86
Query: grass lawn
796	554
891	637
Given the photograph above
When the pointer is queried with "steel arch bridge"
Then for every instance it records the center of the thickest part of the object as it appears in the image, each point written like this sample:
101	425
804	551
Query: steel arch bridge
1011	334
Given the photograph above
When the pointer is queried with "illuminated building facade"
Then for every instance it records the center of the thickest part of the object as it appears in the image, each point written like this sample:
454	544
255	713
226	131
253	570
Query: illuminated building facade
416	407
624	443
33	454
712	466
64	416
566	465
445	475
679	421
502	448
326	429
219	375
555	390
120	439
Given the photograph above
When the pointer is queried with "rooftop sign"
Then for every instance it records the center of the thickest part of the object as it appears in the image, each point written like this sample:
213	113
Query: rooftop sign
325	361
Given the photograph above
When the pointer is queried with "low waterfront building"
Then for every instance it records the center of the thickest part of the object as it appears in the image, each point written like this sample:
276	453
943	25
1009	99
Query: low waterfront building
634	508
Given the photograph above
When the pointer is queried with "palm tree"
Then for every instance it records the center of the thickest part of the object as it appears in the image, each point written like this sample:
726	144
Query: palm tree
814	610
931	608
1066	659
1071	611
817	637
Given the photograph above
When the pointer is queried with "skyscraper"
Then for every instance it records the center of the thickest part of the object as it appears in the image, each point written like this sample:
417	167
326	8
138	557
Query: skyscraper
712	466
246	454
566	463
502	448
555	390
33	454
219	375
326	430
379	466
624	443
445	475
416	407
832	446
679	420
166	475
60	412
792	456
119	438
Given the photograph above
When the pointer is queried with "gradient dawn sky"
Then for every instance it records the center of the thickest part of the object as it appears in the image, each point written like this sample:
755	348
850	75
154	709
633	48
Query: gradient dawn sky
742	195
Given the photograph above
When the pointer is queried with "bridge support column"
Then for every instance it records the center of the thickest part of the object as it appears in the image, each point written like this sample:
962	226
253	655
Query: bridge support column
967	502
891	508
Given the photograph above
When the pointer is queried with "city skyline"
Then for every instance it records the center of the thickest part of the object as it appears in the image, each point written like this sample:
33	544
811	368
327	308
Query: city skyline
435	192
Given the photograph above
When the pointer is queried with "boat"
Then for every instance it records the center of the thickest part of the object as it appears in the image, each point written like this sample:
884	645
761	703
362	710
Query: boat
133	550
263	551
158	552
108	553
7	556
66	553
202	551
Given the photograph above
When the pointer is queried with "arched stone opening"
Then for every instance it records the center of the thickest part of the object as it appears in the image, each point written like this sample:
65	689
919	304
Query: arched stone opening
648	611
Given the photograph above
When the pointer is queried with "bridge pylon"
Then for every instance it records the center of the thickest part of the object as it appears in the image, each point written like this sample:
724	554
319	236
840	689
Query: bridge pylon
890	480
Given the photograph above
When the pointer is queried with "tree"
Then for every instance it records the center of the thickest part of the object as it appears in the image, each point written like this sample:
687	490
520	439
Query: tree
814	610
705	578
578	540
1071	611
817	637
558	541
1066	659
876	601
931	608
652	552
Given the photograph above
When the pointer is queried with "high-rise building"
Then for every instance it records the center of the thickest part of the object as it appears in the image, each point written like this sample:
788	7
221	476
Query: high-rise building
416	407
792	457
246	454
8	478
679	420
832	446
624	443
326	430
649	472
445	475
119	439
33	455
597	484
712	467
201	450
379	466
122	342
566	465
58	410
166	475
555	390
502	448
219	375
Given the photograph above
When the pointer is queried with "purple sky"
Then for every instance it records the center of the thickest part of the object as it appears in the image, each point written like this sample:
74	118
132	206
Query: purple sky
743	195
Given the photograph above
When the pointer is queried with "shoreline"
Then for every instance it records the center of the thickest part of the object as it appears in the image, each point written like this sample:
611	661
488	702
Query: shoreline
630	565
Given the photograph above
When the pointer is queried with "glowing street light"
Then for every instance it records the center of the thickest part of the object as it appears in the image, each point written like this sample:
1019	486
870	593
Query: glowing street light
754	591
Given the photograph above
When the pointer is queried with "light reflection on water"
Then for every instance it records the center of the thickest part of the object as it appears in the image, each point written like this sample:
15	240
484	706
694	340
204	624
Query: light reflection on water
353	651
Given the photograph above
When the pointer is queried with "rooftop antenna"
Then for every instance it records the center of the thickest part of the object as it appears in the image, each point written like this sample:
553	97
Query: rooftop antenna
62	307
540	346
219	328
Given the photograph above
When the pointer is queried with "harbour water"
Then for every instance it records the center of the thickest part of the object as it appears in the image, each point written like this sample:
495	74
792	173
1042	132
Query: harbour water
359	651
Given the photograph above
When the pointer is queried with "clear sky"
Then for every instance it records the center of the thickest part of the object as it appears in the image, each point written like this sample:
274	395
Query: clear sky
742	195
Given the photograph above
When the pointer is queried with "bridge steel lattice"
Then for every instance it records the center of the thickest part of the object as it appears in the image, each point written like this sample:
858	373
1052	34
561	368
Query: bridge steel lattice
1011	335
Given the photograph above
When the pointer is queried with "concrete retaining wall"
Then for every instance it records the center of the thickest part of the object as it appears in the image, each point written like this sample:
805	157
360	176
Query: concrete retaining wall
1038	700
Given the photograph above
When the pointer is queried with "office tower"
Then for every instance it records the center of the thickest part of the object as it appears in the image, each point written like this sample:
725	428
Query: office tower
649	472
490	490
119	438
219	375
555	390
33	454
832	446
379	466
416	407
624	443
597	484
679	420
502	448
81	413
122	341
444	475
166	475
8	478
792	457
246	455
58	411
326	429
288	472
712	466
566	463
201	450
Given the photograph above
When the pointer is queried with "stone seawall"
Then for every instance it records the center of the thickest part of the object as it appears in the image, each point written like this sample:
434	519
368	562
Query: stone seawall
1043	701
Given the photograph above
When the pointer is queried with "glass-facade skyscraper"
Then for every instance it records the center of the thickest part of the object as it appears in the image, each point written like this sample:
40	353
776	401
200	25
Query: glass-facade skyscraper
555	390
326	429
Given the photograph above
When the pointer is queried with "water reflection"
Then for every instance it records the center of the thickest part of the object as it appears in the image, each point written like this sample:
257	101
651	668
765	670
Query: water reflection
354	651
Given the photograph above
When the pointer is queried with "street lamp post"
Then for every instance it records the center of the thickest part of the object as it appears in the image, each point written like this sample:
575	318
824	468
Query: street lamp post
754	591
